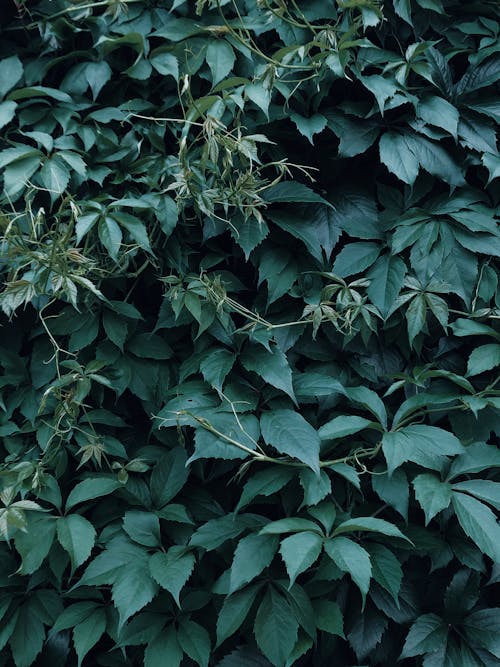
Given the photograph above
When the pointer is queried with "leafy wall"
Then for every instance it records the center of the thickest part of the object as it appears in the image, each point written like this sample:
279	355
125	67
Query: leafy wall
250	343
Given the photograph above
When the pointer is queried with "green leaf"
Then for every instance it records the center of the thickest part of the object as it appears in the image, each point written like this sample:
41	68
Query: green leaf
386	569
416	315
308	127
215	366
26	641
289	525
264	483
328	617
54	175
30	547
195	641
292	191
245	430
355	258
435	160
386	280
289	433
77	536
172	570
220	58
437	111
142	527
233	612
110	236
428	633
215	532
7	112
483	358
90	488
315	488
426	445
164	649
299	552
433	495
11	71
481	488
393	490
398	158
352	558
341	426
370	524
271	366
97	74
482	628
169	476
370	400
479	523
88	632
275	627
165	63
252	555
358	216
133	588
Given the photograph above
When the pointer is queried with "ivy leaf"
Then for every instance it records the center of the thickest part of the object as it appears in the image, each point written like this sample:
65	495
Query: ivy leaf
87	633
142	527
164	649
110	236
370	524
272	367
7	112
11	73
28	636
169	476
253	554
432	494
275	627
77	536
386	569
483	358
308	127
426	445
329	617
479	523
393	490
289	433
352	558
195	641
483	489
386	280
437	111
132	589
220	59
355	258
90	488
233	612
172	569
398	158
428	633
342	426
299	552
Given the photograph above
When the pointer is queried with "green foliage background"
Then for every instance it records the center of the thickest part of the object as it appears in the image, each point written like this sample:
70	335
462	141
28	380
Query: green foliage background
249	343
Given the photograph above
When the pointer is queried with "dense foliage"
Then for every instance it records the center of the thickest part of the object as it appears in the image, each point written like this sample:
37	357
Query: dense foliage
250	344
